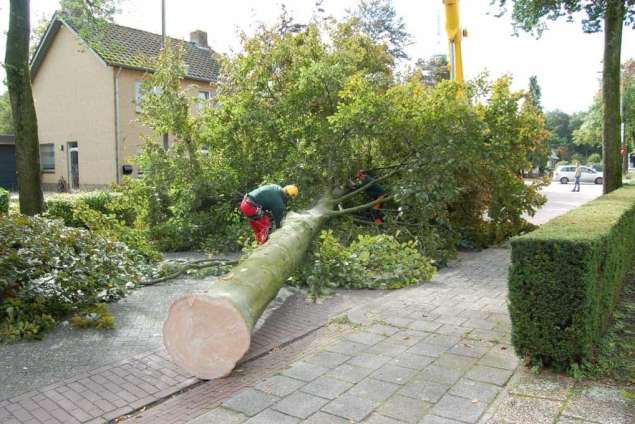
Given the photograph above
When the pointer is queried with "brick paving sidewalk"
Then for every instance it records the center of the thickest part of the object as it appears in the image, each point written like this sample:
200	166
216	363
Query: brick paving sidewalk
437	353
114	390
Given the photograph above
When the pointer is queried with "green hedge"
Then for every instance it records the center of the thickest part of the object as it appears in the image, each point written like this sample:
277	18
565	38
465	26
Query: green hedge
63	206
4	201
566	277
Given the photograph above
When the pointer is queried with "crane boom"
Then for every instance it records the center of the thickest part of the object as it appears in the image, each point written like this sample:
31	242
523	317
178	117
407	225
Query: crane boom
455	35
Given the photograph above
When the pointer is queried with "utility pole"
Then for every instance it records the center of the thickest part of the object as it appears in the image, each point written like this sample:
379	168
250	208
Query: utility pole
165	135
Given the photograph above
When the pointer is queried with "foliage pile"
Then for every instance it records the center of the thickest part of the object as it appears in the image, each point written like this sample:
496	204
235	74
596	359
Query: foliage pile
48	270
313	105
369	262
566	278
4	201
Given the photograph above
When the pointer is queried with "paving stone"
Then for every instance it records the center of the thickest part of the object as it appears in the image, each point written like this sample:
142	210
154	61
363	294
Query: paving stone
434	419
606	405
455	362
490	336
410	360
472	390
427	349
459	408
324	418
328	359
327	387
425	325
489	375
569	420
383	330
374	390
366	338
425	390
269	416
404	408
351	407
479	323
387	348
544	385
452	319
300	405
394	374
366	360
347	347
280	385
398	322
250	402
443	340
471	348
439	374
453	330
349	373
501	356
380	419
305	371
523	410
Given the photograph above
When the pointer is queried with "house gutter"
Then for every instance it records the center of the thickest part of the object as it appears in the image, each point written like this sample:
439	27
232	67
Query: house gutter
117	125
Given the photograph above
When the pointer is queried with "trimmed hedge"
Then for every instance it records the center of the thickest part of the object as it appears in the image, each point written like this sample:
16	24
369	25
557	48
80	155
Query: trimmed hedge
566	277
104	202
4	201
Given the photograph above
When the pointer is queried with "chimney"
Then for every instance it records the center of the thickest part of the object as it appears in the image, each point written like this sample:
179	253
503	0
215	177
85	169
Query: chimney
199	38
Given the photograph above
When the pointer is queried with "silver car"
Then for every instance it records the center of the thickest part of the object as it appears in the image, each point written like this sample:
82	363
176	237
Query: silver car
566	173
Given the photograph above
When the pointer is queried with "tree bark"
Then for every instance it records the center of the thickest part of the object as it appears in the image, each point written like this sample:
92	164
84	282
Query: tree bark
27	147
613	23
208	333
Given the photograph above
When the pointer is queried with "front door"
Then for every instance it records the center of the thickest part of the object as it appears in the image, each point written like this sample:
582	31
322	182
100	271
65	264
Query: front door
73	167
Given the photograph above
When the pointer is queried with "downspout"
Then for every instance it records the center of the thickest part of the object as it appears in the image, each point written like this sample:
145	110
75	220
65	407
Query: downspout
117	124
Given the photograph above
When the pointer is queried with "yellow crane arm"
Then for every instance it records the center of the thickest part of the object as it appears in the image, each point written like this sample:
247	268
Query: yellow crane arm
455	35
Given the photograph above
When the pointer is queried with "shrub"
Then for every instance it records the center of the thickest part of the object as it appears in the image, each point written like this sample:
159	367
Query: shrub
566	277
4	201
107	203
48	270
370	262
594	158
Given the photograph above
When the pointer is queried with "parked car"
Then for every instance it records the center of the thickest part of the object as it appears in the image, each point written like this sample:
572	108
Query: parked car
566	173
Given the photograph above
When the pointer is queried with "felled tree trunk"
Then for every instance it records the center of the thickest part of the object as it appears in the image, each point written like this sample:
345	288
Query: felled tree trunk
208	333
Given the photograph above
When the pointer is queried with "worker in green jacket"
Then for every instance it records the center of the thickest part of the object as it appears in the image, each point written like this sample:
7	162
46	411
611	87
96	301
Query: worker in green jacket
263	203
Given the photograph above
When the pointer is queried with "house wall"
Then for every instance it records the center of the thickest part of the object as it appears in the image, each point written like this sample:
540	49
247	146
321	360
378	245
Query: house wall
74	100
132	131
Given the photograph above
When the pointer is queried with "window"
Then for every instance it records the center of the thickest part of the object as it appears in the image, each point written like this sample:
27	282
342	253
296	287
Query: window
203	100
138	95
47	157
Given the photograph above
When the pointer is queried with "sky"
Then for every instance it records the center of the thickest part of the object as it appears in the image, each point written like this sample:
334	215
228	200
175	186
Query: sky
567	62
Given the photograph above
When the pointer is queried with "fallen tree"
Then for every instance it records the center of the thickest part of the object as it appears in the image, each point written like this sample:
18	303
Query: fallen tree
208	333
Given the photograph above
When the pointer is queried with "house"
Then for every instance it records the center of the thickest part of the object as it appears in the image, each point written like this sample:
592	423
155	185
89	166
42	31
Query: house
8	176
86	99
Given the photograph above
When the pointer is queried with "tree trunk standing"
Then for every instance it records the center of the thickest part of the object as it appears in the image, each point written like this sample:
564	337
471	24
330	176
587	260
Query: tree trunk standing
27	147
208	333
613	23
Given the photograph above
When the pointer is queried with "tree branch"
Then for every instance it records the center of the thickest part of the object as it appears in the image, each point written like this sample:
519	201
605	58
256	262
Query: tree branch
364	187
360	207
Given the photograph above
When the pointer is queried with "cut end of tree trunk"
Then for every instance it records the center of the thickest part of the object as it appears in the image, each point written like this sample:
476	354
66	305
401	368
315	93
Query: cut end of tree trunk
206	336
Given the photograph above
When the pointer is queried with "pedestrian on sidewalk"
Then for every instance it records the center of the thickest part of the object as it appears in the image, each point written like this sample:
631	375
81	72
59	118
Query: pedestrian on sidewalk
578	174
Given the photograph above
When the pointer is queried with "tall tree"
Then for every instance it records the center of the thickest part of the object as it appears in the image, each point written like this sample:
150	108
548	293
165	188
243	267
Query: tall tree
434	70
535	92
379	20
25	120
530	15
